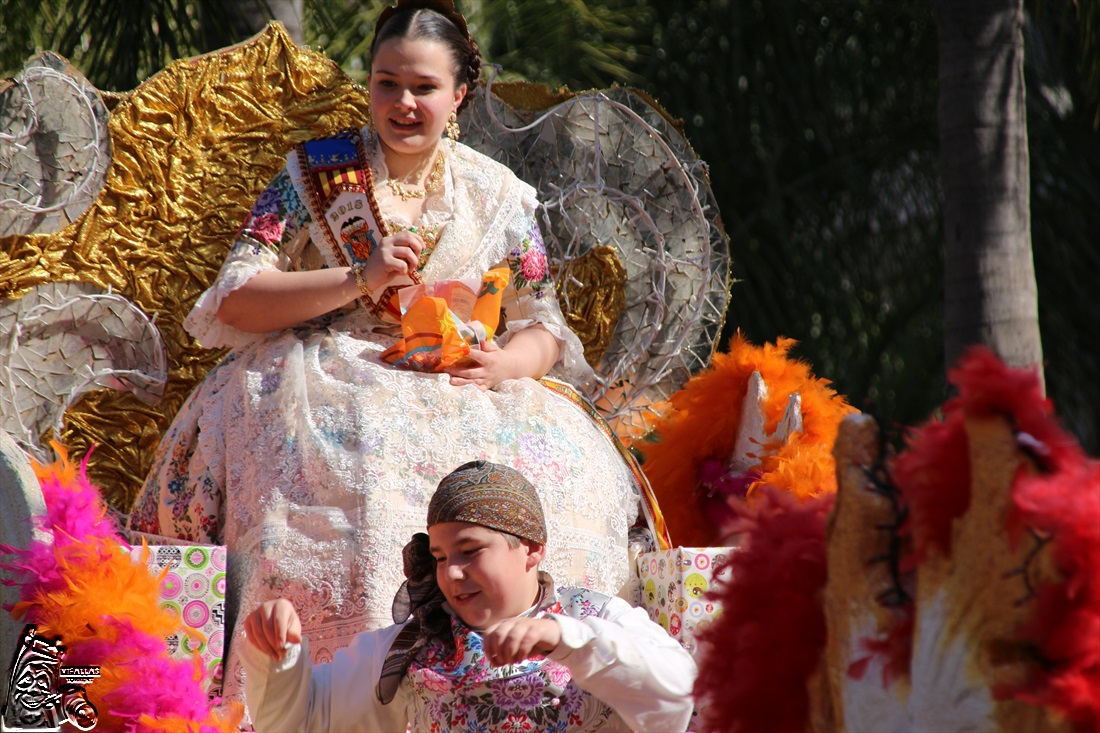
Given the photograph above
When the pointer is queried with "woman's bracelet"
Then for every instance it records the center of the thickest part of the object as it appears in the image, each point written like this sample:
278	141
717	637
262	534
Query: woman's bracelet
361	283
365	293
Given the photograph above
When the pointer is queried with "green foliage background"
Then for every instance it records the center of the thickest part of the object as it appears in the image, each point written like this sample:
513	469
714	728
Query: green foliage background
818	122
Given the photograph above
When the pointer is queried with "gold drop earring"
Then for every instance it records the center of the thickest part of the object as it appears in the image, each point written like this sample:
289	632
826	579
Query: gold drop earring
452	127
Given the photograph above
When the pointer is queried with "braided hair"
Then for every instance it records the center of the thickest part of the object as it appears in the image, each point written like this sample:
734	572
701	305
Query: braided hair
435	21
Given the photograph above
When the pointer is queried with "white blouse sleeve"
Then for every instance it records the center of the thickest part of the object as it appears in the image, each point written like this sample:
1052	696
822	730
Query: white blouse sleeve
276	224
630	663
530	299
294	695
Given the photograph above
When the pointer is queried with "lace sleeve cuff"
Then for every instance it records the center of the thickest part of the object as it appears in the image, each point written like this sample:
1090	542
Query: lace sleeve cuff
267	237
247	258
530	299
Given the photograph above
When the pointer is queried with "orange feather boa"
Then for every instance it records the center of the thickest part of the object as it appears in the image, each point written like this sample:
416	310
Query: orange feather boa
703	422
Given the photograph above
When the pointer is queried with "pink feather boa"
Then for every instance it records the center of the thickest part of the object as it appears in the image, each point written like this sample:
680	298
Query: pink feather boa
81	585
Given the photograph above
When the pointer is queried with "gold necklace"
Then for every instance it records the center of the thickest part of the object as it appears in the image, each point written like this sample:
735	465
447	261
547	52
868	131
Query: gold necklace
415	192
430	235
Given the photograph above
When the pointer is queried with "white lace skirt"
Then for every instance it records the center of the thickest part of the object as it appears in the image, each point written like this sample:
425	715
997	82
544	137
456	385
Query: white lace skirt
313	461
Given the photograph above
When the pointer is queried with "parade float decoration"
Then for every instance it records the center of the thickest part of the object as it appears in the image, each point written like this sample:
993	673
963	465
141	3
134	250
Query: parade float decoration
756	417
754	428
955	586
79	583
861	590
116	210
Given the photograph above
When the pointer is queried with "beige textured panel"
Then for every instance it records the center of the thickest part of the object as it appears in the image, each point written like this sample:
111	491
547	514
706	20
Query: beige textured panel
855	581
56	149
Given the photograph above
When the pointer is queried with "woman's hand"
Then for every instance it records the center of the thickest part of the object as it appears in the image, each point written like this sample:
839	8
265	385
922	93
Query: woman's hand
528	353
272	625
485	368
273	300
515	639
396	255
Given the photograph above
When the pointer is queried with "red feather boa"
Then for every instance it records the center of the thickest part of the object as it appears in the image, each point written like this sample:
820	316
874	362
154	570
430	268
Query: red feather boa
769	637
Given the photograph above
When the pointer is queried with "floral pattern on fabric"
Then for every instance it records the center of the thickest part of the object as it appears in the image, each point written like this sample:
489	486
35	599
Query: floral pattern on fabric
529	266
277	216
454	688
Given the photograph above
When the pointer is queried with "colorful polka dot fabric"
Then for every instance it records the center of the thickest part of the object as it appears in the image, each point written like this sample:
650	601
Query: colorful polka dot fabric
673	586
194	590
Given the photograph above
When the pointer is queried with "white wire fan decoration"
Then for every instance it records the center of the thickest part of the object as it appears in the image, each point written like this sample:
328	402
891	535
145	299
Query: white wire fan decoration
63	339
54	146
611	170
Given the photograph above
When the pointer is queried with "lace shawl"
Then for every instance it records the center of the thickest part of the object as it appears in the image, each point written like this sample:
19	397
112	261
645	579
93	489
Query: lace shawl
489	215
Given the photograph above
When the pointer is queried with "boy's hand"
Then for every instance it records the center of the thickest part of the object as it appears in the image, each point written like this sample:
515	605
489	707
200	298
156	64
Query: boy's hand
515	639
272	625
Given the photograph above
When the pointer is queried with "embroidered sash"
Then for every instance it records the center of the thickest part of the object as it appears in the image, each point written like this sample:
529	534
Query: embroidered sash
334	178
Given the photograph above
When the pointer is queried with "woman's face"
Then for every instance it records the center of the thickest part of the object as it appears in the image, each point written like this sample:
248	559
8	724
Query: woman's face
412	93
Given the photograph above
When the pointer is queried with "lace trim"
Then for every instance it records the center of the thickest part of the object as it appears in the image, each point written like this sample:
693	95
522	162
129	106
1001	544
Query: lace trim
246	259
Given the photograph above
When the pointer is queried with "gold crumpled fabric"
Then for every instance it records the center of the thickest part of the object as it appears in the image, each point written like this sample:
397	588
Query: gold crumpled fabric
592	294
192	149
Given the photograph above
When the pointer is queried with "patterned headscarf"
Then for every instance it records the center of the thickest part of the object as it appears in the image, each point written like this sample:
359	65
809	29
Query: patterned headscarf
479	492
494	496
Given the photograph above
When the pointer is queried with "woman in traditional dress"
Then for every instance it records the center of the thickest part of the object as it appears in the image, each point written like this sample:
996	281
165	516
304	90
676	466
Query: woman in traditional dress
313	459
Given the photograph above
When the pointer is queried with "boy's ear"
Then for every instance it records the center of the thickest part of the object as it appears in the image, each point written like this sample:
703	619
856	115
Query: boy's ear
535	553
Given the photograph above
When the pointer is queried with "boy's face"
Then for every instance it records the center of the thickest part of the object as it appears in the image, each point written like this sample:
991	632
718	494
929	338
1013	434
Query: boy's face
483	578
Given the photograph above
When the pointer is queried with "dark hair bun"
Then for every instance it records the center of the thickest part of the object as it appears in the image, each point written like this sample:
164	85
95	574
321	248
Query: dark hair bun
473	73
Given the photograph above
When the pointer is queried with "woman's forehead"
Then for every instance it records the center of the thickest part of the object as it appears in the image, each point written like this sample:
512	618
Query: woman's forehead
417	56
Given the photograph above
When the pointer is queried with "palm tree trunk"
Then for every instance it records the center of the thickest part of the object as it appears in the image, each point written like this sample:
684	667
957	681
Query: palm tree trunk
990	290
239	19
258	12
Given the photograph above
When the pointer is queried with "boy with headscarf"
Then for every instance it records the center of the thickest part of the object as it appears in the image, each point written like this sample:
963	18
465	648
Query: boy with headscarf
480	641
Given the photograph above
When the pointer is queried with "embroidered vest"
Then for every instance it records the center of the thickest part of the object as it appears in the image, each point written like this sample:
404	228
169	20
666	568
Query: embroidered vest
458	690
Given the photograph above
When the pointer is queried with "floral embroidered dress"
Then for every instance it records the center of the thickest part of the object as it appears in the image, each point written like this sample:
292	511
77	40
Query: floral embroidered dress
313	460
614	670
